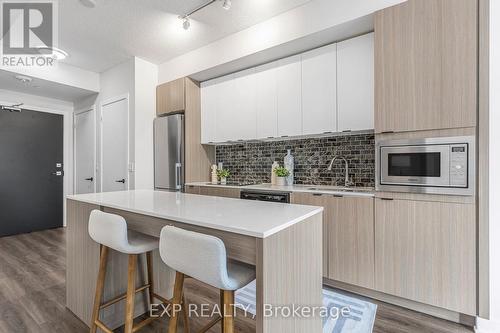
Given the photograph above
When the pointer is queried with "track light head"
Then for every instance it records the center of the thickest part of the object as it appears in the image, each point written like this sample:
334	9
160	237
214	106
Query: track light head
226	4
185	23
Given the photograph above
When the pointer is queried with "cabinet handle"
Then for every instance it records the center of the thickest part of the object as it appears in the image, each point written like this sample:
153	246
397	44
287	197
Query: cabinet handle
317	194
386	132
346	131
328	132
338	196
387	199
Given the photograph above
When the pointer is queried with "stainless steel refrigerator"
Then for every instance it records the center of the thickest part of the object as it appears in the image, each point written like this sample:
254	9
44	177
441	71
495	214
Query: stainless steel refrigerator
169	152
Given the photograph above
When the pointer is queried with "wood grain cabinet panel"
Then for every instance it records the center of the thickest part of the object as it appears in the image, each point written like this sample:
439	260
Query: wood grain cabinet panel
220	192
426	252
351	238
170	97
348	237
426	65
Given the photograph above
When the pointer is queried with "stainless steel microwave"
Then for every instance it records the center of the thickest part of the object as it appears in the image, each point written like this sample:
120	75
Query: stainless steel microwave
433	165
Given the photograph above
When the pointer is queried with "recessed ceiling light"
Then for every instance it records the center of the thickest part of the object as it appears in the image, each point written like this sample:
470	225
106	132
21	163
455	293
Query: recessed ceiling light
26	80
53	51
227	4
88	3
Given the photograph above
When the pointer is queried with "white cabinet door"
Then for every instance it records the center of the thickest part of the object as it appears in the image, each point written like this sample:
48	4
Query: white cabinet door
243	120
289	79
267	101
355	83
319	92
209	97
224	109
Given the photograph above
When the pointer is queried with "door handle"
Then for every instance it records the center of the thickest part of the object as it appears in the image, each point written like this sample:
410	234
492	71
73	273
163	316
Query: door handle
178	185
90	179
120	181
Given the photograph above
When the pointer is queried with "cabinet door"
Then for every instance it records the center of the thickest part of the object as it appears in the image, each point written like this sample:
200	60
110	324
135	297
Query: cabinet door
209	100
289	89
321	200
426	252
426	65
319	91
351	241
355	86
243	119
225	109
267	101
170	97
220	192
191	189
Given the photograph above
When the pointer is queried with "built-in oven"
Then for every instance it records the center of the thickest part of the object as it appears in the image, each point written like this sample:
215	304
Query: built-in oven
432	165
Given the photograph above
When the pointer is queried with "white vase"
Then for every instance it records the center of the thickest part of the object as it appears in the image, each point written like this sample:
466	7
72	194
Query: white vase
281	181
223	181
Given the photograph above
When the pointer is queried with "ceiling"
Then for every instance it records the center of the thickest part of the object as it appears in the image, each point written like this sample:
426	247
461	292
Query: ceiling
42	88
102	37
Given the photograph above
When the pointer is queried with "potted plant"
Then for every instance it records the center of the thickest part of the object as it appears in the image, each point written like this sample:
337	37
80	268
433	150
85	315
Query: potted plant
281	174
223	174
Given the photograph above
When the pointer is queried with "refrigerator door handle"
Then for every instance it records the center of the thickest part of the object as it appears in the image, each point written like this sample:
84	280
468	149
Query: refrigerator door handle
178	167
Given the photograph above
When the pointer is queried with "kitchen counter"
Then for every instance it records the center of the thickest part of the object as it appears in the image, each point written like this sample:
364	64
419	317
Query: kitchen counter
251	218
323	189
275	238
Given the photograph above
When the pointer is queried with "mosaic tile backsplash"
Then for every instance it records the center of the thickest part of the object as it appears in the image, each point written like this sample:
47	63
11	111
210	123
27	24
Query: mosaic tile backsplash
251	162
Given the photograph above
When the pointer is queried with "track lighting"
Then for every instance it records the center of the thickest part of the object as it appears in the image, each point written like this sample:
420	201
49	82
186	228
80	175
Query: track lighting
227	4
185	23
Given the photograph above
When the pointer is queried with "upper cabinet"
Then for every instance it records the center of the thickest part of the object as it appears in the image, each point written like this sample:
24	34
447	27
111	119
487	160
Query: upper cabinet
294	96
289	96
426	65
355	86
171	97
319	86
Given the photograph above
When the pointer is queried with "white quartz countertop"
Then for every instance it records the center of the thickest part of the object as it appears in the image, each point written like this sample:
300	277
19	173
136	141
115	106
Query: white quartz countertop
246	217
353	191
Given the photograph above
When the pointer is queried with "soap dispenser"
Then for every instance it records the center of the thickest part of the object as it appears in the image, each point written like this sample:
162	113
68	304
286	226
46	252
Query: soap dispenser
288	162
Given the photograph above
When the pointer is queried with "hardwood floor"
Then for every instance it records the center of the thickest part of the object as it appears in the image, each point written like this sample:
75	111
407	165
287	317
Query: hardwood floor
32	295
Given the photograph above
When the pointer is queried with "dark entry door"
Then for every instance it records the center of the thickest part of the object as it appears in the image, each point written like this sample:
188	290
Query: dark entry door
31	179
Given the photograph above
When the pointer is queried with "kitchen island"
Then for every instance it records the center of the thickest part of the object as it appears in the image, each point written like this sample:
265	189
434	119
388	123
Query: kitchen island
283	242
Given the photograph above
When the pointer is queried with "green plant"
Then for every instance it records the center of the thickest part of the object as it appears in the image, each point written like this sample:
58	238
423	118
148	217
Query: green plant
281	172
223	173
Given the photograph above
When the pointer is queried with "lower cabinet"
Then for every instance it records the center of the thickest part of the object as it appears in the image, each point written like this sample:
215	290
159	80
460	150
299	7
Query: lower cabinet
426	251
213	191
348	237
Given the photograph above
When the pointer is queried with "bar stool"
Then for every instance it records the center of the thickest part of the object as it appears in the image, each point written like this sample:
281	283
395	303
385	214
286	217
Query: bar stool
111	232
203	258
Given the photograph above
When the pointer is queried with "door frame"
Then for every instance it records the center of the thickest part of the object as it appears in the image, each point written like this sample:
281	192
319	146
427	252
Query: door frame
67	114
101	105
92	109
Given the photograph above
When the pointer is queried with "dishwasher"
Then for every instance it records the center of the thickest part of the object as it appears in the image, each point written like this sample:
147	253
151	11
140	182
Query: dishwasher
271	196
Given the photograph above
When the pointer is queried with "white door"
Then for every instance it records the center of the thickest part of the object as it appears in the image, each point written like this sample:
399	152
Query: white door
289	78
319	91
355	82
114	146
85	152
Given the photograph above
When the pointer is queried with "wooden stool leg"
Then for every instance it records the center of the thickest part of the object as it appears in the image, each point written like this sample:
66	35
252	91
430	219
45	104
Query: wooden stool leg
130	301
186	316
149	263
101	277
176	300
222	308
228	312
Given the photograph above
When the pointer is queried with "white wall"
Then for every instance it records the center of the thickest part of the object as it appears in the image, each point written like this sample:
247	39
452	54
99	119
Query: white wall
62	73
146	80
313	17
37	103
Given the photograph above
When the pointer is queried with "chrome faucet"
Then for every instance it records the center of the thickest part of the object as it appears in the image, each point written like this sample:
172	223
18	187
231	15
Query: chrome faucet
347	181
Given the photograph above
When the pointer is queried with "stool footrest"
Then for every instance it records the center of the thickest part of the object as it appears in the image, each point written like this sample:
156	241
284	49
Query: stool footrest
122	297
103	327
210	325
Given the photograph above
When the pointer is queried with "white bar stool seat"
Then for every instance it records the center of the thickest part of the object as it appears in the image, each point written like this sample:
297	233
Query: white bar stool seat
203	257
111	232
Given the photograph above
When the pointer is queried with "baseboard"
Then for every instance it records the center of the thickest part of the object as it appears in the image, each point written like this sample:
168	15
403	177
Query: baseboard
487	326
